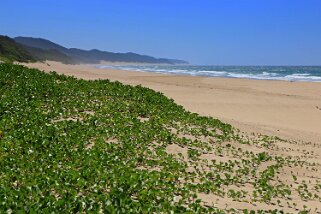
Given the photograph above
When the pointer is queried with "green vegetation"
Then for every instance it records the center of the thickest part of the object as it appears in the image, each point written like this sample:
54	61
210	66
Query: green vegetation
11	51
69	146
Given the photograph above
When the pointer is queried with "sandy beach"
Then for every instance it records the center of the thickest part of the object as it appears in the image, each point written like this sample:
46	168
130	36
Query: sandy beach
290	110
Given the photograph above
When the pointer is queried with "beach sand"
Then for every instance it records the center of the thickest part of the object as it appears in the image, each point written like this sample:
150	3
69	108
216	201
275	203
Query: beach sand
290	110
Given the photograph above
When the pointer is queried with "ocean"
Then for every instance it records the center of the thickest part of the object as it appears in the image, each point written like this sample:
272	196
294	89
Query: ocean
286	73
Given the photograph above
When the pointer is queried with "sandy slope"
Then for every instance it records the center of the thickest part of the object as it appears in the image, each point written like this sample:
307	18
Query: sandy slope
286	109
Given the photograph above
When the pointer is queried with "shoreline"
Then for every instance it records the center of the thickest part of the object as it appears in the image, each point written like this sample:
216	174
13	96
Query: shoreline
290	110
223	71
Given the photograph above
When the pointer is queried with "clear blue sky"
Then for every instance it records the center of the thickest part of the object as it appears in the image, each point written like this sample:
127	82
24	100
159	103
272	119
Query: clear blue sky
218	32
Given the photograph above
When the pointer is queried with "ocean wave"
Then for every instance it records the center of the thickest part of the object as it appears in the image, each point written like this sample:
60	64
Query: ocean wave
301	74
302	77
269	74
286	73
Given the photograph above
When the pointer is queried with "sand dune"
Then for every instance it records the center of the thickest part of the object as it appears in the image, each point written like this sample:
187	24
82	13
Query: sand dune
290	110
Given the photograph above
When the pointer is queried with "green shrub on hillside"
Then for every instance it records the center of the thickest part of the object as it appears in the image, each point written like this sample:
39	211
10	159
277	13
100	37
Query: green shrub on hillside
11	51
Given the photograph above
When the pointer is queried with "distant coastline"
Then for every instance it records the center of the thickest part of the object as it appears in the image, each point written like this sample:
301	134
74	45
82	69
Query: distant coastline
44	49
29	49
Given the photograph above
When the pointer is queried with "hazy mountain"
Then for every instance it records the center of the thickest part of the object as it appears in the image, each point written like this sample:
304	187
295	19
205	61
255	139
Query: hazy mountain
93	56
176	61
11	51
40	43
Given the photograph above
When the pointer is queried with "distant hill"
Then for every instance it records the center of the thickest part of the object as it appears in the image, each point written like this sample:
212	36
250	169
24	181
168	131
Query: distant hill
95	56
39	43
11	51
52	55
92	56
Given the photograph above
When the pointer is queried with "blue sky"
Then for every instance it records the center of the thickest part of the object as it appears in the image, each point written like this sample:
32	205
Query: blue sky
217	32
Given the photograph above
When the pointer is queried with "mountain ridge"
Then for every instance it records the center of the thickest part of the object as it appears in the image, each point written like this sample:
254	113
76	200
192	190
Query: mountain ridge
93	56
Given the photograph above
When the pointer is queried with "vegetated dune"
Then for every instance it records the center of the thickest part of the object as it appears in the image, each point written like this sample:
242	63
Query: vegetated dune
70	145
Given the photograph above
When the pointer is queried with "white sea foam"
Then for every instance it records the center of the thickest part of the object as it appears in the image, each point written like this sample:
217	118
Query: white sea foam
301	77
269	74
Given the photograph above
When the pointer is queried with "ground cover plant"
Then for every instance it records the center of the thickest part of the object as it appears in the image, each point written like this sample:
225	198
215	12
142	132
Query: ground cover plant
74	146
